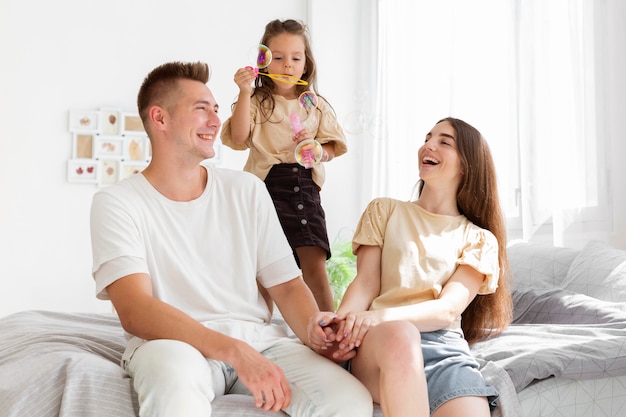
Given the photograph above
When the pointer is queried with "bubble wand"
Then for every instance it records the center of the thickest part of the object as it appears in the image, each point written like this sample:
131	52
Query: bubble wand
308	152
263	59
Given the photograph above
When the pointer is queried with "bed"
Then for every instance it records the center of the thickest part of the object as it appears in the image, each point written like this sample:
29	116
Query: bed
564	355
67	365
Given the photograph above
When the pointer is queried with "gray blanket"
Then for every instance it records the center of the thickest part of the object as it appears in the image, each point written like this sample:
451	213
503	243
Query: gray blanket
56	364
561	334
67	365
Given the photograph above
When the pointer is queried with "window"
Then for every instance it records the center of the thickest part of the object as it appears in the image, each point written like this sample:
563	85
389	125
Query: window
525	74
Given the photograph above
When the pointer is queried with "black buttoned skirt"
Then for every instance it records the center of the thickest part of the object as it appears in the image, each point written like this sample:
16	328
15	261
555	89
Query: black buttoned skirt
299	207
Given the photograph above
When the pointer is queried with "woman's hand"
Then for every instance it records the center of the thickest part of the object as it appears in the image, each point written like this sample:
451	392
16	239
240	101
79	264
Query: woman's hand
353	327
322	337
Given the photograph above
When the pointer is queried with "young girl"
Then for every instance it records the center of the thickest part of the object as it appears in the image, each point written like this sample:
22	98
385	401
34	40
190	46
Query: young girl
431	278
261	122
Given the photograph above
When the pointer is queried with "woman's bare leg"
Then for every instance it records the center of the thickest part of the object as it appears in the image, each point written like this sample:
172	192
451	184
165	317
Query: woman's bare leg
464	406
390	364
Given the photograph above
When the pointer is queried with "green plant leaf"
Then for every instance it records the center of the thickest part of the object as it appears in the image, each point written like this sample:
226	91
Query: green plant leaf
341	267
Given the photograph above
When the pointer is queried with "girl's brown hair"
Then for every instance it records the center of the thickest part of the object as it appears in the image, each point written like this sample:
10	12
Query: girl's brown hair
264	86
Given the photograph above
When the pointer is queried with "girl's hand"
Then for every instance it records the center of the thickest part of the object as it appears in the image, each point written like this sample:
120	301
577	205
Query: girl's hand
244	78
302	136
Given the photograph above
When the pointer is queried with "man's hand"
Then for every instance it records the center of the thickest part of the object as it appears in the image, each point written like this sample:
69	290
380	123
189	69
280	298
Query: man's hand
319	331
323	338
265	380
314	328
144	316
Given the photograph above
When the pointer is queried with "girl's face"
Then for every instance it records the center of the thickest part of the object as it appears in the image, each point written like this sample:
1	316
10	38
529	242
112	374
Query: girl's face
288	58
439	156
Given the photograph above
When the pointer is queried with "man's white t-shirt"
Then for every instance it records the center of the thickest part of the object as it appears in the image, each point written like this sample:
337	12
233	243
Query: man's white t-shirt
203	256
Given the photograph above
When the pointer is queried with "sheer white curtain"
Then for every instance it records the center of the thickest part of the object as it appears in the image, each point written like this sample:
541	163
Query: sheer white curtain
523	73
559	98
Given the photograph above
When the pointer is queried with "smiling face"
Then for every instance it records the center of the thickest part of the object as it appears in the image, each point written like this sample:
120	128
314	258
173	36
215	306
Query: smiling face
194	122
288	58
438	157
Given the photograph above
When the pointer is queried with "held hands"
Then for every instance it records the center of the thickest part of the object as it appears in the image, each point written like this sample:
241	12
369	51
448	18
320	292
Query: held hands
337	338
351	330
322	337
320	331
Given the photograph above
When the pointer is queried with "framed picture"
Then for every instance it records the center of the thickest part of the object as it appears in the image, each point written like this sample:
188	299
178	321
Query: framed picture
82	145
84	121
135	148
131	168
131	124
82	170
108	171
110	121
108	146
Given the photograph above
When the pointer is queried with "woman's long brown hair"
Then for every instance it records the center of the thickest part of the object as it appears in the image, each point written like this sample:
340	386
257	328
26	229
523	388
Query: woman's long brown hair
478	200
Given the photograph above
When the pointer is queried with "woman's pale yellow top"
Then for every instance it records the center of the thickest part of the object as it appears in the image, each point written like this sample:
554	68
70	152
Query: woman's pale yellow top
421	250
271	141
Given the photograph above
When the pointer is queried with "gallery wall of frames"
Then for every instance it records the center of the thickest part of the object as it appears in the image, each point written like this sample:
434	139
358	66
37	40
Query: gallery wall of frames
107	146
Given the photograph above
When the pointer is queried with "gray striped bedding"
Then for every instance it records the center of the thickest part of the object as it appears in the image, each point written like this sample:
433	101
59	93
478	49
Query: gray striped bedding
67	365
56	364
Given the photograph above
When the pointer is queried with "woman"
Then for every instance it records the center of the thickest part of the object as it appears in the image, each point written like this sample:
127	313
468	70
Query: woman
420	266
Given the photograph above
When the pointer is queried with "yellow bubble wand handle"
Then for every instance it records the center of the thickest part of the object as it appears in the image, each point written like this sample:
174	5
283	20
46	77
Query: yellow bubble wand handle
263	56
287	79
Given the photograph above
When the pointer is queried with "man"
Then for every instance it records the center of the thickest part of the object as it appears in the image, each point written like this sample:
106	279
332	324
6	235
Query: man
186	252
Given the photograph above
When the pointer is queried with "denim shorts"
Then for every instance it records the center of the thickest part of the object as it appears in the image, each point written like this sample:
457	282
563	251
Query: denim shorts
451	370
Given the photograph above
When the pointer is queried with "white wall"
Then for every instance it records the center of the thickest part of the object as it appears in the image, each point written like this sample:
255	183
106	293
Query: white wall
615	115
68	54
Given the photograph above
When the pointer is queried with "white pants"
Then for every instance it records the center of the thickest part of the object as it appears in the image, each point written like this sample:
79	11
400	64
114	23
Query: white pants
172	378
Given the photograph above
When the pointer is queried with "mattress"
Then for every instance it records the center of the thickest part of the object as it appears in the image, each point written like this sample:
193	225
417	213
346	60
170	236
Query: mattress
564	397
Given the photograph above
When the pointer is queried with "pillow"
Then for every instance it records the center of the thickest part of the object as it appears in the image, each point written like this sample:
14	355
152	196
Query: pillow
538	265
559	306
598	271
